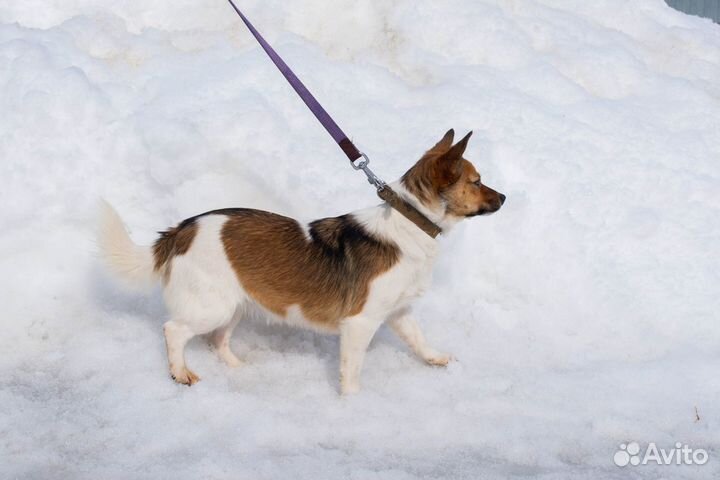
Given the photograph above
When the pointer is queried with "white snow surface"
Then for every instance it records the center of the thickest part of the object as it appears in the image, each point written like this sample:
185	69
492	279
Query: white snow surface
583	315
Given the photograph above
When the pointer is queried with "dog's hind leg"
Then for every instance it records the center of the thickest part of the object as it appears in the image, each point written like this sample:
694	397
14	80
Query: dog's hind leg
202	295
220	340
176	337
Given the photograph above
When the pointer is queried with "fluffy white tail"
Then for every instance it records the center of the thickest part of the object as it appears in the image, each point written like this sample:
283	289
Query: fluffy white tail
132	263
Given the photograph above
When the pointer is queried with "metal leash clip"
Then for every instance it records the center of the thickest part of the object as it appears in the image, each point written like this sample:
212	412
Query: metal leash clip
362	164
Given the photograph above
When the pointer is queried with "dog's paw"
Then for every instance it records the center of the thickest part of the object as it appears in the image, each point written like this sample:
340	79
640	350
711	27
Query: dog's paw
232	361
439	359
185	377
352	390
349	388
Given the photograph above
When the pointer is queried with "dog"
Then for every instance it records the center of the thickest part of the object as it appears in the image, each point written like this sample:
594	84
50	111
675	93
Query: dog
345	275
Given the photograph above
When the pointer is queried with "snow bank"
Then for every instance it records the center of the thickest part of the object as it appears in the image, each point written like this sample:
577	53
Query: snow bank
583	315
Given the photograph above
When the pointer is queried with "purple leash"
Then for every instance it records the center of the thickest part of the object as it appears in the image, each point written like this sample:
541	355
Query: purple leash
383	190
332	128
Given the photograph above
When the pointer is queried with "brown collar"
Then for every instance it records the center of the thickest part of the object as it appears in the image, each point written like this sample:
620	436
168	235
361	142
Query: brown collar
408	211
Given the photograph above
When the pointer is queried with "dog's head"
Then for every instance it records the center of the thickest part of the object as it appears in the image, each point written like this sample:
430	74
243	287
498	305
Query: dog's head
444	181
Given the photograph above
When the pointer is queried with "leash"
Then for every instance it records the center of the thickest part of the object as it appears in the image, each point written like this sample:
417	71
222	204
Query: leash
358	160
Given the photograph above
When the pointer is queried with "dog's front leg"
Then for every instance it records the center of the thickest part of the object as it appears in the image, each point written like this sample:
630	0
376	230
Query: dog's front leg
355	335
406	328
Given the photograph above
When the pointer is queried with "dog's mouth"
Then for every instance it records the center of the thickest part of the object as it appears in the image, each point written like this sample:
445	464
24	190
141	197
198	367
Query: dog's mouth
483	212
489	210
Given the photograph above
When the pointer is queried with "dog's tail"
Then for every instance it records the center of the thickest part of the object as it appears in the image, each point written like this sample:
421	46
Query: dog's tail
131	262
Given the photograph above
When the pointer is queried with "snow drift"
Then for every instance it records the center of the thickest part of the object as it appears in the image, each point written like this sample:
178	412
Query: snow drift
583	315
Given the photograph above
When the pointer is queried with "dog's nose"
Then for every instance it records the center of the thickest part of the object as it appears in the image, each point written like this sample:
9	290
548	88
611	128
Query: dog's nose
502	199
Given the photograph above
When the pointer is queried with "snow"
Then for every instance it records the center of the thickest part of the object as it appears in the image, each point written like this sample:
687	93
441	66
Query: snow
583	315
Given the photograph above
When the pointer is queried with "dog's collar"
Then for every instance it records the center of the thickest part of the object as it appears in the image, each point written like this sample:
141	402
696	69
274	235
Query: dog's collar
408	211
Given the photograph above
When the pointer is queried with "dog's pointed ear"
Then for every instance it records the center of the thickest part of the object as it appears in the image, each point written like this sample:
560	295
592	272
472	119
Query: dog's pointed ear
448	166
456	152
444	145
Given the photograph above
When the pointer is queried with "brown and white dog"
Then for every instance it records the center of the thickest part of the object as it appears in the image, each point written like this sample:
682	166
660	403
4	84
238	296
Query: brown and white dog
346	275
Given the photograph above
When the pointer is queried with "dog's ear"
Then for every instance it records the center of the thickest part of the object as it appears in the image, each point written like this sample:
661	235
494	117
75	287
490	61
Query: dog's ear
459	148
448	166
444	145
